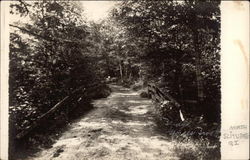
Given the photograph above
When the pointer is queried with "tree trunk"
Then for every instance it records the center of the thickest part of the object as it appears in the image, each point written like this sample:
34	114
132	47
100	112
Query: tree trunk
130	76
178	76
126	71
121	74
163	69
200	88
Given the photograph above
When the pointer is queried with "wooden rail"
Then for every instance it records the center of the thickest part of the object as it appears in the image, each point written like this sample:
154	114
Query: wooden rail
158	96
74	96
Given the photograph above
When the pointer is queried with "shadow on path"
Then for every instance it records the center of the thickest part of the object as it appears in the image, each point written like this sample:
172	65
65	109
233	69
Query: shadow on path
120	126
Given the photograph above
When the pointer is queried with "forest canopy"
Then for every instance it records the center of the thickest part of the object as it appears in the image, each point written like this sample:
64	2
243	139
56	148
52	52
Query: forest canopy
174	45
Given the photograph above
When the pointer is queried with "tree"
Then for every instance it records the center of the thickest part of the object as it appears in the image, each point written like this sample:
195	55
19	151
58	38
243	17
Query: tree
177	39
49	57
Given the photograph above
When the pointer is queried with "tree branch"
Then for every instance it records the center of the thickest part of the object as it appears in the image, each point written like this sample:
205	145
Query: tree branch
50	39
25	5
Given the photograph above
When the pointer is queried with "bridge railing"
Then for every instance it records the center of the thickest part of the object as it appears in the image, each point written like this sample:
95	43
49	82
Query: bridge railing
173	108
63	106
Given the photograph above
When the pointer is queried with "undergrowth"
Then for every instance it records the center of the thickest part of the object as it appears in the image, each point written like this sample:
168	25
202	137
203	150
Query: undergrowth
196	139
45	135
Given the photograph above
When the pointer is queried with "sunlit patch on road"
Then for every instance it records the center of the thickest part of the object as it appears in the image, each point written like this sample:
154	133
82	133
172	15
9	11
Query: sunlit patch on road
119	127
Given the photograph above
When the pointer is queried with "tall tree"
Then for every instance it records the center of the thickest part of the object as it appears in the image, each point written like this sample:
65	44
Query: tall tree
177	39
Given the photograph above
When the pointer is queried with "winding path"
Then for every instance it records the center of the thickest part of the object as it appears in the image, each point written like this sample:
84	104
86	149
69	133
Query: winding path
119	127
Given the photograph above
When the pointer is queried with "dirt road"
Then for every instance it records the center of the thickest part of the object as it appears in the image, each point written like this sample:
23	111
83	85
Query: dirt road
119	127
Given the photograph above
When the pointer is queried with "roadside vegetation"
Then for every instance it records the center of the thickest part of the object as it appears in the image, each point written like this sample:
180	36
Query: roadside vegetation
173	45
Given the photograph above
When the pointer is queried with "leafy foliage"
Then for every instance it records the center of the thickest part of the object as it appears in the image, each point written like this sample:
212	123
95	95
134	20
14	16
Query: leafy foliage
179	49
49	58
174	44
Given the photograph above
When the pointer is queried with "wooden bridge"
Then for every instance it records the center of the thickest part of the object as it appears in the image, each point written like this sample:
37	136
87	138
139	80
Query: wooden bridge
63	106
173	108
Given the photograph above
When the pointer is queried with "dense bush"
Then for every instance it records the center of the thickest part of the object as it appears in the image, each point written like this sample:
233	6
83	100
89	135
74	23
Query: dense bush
49	58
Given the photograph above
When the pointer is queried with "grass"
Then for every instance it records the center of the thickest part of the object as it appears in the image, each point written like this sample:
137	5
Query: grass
201	150
195	138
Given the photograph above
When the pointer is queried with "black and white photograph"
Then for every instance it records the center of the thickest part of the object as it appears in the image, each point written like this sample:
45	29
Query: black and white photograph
116	80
